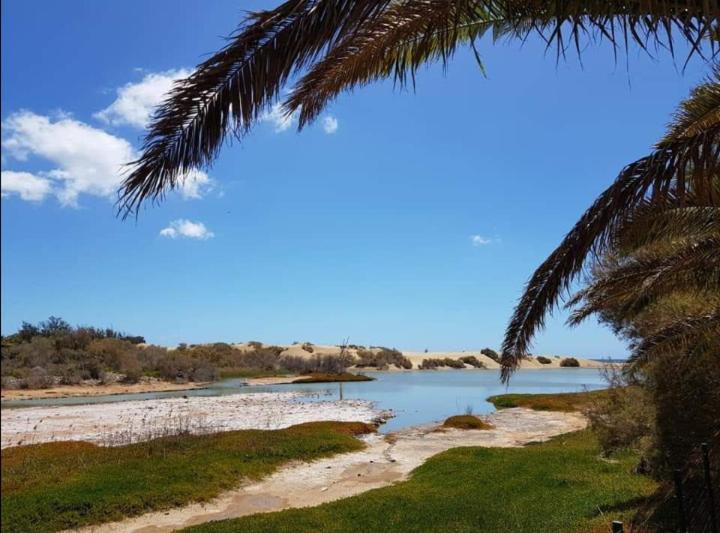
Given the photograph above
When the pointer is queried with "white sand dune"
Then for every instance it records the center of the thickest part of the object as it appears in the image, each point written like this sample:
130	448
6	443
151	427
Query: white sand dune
417	357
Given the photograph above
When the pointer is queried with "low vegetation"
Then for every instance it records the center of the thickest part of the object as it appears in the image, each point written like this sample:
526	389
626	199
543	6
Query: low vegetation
466	422
433	363
560	485
382	358
543	360
569	362
55	353
472	361
566	401
492	354
332	378
60	485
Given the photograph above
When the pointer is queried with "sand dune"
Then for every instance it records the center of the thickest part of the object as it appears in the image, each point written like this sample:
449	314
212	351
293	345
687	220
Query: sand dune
417	357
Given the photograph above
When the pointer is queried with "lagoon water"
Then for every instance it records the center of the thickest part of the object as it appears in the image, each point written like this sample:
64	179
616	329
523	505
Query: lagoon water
417	397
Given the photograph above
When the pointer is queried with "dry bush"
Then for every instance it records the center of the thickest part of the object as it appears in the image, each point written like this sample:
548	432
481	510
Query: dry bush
569	362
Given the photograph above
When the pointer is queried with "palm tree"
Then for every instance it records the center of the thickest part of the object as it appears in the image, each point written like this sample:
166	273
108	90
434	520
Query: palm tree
684	168
659	283
335	45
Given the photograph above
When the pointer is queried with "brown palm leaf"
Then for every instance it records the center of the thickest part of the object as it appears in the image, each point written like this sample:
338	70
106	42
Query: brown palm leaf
229	91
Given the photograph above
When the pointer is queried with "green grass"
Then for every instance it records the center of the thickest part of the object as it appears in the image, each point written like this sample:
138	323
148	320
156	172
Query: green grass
562	486
569	401
466	422
318	377
53	486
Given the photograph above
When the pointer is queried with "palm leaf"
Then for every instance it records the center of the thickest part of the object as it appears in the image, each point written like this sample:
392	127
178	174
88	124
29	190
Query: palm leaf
229	91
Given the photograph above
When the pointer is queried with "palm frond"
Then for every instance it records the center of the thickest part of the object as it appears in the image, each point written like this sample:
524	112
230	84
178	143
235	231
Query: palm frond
683	337
358	41
679	163
408	35
650	224
691	266
698	112
230	90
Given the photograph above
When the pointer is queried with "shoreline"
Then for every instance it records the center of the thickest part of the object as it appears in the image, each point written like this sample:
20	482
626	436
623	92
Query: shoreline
386	459
113	389
119	423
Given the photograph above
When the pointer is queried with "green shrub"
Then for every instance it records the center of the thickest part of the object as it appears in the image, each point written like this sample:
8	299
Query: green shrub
382	358
472	361
492	354
543	360
569	362
466	422
433	363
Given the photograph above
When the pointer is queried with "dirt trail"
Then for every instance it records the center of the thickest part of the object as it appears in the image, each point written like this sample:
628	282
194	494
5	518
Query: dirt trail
384	461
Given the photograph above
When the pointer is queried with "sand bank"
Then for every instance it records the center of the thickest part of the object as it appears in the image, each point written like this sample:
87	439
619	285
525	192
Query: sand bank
65	391
122	422
385	460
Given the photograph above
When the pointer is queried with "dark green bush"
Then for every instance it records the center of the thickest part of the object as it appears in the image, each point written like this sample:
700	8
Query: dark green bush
543	360
492	354
382	358
569	362
472	361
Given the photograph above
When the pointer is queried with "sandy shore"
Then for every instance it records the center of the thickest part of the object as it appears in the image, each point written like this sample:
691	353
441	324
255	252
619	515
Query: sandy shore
66	391
383	462
122	422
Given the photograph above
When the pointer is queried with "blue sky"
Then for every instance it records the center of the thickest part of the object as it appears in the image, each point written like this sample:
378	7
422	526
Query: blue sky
405	219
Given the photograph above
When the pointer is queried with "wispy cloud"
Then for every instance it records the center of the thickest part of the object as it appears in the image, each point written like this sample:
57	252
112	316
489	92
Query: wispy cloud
280	120
479	240
188	229
136	102
330	124
195	184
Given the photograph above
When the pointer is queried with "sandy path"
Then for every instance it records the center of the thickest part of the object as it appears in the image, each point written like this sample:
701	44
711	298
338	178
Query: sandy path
381	463
123	422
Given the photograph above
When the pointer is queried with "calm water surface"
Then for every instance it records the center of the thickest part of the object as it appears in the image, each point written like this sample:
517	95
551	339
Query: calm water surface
415	397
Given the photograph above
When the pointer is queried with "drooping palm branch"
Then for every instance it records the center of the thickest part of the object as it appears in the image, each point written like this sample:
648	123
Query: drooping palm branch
686	161
343	43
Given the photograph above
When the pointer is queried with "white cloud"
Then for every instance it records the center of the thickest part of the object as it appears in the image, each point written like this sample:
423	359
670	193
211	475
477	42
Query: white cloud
136	102
86	160
479	240
28	186
195	184
188	229
83	160
279	119
330	124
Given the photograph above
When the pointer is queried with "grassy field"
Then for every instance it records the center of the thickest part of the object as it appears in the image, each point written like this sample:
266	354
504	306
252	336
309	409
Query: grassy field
568	401
332	378
562	486
48	487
